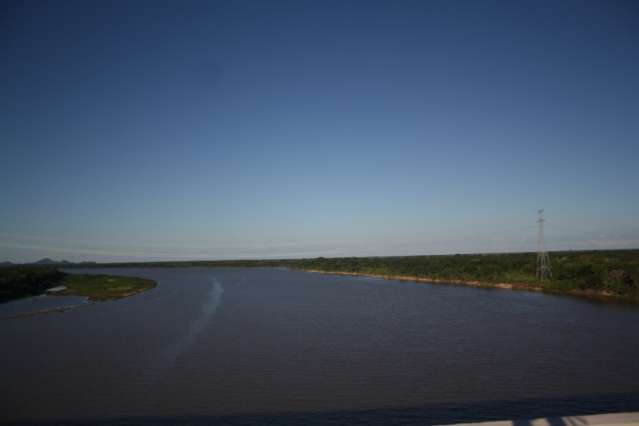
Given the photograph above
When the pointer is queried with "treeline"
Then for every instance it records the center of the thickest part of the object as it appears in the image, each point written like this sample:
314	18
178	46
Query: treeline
247	263
23	281
612	271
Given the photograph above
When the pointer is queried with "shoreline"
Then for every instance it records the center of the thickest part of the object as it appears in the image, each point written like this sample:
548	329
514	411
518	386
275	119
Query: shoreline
54	310
599	295
92	288
90	301
98	288
96	299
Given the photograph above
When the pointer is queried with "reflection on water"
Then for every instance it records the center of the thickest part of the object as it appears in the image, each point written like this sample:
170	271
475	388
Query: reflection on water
255	346
197	325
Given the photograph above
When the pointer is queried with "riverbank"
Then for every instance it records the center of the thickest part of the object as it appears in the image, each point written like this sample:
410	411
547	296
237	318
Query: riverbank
53	310
25	281
601	275
610	275
103	287
601	295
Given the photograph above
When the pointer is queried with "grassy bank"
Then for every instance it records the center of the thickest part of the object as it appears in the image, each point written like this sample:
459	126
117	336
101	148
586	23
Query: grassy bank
104	287
23	281
599	274
602	274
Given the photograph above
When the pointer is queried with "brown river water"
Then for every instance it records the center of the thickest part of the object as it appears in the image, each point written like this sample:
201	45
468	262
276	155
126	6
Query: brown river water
243	346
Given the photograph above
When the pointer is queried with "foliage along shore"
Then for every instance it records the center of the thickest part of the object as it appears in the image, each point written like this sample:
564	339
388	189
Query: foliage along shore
604	274
586	293
17	282
104	287
608	275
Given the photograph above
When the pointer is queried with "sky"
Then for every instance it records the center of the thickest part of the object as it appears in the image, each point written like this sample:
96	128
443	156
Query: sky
268	129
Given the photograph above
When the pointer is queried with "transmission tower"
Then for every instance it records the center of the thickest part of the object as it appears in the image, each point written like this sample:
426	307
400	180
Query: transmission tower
543	261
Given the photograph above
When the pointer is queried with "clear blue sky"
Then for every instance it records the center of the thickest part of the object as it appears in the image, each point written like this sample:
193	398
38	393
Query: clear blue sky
209	130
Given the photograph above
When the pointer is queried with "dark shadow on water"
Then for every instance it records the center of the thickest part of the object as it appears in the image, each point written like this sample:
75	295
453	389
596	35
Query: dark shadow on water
425	415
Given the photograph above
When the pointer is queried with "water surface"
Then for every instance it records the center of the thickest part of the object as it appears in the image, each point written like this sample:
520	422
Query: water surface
256	346
38	304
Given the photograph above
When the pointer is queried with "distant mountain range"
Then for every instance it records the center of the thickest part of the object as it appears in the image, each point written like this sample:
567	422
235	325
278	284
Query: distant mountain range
47	261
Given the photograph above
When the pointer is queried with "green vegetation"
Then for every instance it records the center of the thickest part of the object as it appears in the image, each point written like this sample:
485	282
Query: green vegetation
608	273
23	281
241	263
104	287
595	273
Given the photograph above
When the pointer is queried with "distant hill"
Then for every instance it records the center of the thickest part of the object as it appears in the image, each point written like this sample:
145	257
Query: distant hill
45	261
48	261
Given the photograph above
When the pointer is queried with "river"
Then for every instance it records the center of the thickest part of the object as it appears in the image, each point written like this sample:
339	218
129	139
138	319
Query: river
272	346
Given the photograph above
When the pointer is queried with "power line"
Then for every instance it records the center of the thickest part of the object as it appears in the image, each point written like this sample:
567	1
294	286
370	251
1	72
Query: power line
543	261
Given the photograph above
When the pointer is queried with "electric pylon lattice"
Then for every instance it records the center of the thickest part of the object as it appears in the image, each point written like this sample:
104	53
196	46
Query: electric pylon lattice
543	261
